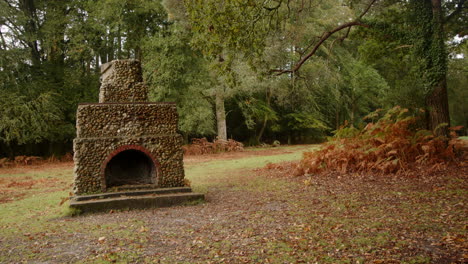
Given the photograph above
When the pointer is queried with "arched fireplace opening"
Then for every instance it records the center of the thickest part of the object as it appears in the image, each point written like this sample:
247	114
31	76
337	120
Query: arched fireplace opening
129	167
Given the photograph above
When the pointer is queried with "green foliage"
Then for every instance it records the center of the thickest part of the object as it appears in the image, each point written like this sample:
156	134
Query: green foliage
428	43
227	34
198	51
196	116
457	82
304	120
417	32
28	121
346	132
176	73
50	57
387	47
255	111
227	25
124	25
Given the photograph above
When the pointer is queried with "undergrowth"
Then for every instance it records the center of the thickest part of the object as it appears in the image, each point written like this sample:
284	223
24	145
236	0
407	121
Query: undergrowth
33	160
202	146
393	144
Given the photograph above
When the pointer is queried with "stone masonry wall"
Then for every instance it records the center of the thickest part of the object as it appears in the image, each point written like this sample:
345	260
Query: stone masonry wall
123	121
90	155
126	119
122	81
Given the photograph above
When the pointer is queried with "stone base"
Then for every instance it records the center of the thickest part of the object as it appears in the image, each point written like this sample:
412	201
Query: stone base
135	199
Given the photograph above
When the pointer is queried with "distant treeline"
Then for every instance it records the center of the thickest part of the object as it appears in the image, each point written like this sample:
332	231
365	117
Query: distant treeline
234	68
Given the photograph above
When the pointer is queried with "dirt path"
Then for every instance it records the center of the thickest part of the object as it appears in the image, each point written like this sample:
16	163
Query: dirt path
257	216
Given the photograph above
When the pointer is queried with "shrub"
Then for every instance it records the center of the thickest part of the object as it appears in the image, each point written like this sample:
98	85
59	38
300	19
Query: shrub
393	144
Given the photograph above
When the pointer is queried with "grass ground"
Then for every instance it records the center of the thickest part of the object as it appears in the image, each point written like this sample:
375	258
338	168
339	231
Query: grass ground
251	215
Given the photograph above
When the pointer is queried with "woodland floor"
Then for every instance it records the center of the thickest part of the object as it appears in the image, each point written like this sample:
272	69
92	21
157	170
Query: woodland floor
251	215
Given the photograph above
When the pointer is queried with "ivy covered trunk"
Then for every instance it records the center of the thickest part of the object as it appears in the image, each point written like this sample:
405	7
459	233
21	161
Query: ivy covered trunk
437	104
437	100
430	49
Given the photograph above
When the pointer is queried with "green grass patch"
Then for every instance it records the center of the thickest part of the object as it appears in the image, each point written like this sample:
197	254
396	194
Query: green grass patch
217	173
40	211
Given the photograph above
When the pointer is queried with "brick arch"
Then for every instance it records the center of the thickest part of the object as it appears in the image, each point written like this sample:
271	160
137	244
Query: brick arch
155	174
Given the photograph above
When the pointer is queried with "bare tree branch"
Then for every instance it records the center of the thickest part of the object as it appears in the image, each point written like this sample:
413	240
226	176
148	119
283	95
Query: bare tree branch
367	9
317	46
403	46
458	10
3	46
324	37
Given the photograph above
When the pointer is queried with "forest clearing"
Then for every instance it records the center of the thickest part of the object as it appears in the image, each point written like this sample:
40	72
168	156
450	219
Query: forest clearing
251	215
250	131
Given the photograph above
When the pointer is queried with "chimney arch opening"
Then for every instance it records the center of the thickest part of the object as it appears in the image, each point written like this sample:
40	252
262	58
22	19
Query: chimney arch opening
129	167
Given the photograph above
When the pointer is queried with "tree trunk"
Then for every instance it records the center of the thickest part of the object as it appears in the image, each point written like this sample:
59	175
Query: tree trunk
262	130
353	110
56	21
221	116
103	48
437	104
97	68
103	57
110	46
337	119
265	120
138	53
29	10
119	43
3	46
437	99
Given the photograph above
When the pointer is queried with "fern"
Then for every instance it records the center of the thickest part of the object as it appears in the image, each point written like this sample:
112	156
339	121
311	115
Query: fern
201	146
390	145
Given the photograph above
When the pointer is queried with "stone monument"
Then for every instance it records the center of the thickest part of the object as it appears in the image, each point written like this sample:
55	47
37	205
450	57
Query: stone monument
127	151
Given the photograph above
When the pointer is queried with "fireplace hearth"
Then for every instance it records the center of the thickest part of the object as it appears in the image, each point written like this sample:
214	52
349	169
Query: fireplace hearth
130	167
126	143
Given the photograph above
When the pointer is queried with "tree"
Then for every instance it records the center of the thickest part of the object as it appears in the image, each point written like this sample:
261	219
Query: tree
50	52
422	35
430	47
457	83
425	22
122	26
229	19
176	73
34	104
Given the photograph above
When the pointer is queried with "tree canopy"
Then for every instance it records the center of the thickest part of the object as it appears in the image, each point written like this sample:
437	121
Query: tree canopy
255	71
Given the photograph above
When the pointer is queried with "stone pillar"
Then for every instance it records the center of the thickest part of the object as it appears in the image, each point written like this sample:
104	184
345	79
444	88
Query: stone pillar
122	81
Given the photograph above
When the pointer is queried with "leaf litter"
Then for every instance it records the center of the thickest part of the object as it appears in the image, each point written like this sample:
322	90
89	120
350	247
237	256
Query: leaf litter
270	215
